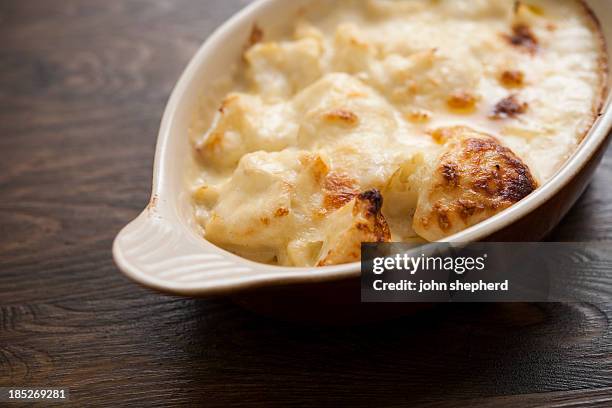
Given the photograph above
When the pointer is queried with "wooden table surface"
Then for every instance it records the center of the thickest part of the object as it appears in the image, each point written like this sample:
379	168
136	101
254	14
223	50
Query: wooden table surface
82	88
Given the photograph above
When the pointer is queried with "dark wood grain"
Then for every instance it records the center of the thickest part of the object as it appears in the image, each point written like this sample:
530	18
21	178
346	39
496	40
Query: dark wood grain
82	88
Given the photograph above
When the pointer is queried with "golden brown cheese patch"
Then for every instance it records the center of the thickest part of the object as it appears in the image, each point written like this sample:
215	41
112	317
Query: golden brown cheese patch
338	190
462	102
512	78
256	35
475	178
523	38
281	212
418	116
509	107
342	117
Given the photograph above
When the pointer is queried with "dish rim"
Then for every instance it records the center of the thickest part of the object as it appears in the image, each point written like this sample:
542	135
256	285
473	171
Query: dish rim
256	274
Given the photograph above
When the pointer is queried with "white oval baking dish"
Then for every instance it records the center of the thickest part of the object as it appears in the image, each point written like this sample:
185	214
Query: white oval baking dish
162	250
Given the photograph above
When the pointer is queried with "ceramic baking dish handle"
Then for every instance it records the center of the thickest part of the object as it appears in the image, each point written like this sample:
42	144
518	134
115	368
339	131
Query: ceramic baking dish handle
159	254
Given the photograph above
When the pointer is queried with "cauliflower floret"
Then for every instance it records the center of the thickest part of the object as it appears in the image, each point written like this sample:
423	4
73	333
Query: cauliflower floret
475	178
360	220
429	80
244	124
353	50
280	69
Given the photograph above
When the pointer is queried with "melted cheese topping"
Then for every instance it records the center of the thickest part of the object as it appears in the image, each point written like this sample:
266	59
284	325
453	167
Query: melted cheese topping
401	120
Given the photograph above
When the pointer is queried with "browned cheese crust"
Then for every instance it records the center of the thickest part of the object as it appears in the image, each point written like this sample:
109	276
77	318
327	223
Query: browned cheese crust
475	178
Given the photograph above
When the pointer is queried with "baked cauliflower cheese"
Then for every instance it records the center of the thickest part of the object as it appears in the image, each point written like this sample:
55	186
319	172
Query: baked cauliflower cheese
392	120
